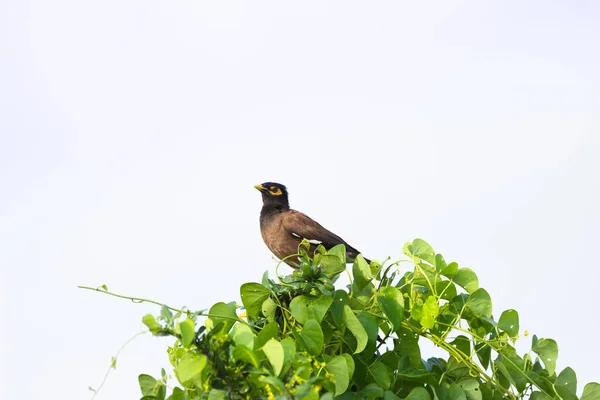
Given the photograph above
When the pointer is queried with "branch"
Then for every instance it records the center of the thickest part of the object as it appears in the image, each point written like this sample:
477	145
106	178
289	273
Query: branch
102	289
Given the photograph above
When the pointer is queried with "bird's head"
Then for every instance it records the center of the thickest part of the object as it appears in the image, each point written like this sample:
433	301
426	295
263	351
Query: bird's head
273	194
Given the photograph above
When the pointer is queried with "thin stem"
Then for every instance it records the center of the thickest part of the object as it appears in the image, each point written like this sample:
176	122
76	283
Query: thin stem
351	282
451	283
114	360
134	299
487	343
283	310
142	300
427	279
384	339
282	261
459	355
384	276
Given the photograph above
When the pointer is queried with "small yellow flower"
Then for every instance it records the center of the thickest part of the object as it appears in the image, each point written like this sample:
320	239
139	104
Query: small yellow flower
526	333
270	394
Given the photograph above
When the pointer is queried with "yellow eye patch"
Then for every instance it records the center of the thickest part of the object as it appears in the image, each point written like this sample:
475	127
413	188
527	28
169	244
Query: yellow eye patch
275	191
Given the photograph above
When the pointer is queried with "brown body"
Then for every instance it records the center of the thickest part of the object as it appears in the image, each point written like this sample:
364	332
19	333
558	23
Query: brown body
283	229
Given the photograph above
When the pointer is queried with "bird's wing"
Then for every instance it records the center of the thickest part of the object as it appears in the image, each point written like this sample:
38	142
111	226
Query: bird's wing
303	227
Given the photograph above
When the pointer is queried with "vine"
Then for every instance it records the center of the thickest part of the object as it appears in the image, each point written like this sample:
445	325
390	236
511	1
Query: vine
301	338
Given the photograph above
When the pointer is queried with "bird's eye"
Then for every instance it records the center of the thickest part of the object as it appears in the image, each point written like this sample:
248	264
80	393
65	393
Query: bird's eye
275	191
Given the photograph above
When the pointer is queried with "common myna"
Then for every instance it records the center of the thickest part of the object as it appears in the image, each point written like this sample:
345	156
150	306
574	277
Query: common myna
283	229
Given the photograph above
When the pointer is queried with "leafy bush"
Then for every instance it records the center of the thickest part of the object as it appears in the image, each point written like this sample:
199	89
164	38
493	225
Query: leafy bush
303	339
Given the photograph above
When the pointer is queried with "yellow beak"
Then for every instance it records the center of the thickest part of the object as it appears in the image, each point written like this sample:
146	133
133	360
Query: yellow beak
260	187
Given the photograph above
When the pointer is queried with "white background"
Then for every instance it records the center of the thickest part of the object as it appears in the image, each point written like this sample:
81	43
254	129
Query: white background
131	133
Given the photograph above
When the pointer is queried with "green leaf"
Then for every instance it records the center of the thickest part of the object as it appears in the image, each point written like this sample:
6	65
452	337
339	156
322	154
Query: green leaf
269	331
304	308
338	367
268	309
151	323
313	337
416	312
289	349
390	396
253	295
566	384
222	313
408	345
480	303
440	263
147	385
382	374
481	326
500	367
356	328
187	328
361	272
418	393
463	344
431	310
450	270
190	368
274	352
331	265
471	388
216	394
339	251
484	353
369	392
515	366
591	391
423	250
166	315
350	364
370	325
466	279
547	349
445	289
455	392
178	394
243	334
340	299
539	377
392	304
243	353
275	383
265	280
534	340
509	322
539	396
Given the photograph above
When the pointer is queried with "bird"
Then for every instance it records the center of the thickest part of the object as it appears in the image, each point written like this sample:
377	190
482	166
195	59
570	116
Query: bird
283	229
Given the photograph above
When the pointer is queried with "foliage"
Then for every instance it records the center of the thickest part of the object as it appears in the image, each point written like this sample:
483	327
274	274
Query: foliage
303	339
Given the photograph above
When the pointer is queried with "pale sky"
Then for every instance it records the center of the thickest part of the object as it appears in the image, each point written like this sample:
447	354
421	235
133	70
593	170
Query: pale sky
132	132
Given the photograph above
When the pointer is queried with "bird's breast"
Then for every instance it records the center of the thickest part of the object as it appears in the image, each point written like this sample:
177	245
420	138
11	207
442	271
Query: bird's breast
278	240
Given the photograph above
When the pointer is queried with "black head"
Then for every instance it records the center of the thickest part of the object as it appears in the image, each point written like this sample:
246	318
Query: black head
274	195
